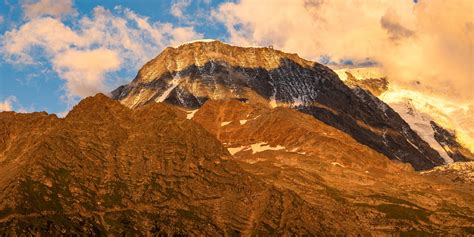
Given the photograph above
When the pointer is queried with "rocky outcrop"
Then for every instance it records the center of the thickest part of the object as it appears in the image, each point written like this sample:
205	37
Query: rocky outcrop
193	73
450	144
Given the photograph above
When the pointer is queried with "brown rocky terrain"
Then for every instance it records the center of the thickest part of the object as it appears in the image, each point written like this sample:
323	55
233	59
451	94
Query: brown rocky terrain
329	169
106	169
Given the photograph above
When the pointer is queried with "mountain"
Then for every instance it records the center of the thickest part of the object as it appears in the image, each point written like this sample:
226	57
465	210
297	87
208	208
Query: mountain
420	111
228	168
332	171
459	172
193	73
109	170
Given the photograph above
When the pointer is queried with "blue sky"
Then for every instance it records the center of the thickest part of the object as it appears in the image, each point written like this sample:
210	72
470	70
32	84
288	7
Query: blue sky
38	87
55	52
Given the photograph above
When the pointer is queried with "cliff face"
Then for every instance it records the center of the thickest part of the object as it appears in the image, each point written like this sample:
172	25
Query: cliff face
194	73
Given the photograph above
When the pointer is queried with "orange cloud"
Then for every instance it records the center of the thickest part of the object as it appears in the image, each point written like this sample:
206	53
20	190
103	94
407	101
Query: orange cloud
430	42
7	104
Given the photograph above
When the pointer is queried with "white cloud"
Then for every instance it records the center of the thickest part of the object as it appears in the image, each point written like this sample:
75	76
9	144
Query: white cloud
85	53
53	8
84	69
7	104
178	7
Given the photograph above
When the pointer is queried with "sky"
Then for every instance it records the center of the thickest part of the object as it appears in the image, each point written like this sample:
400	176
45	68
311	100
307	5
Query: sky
55	52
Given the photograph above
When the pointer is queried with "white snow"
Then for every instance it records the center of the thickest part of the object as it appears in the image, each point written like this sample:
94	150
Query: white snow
257	147
173	84
262	146
298	101
243	121
225	123
191	114
449	114
234	150
420	123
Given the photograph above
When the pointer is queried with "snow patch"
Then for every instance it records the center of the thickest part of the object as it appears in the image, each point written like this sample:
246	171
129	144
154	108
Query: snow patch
262	146
257	147
172	84
225	123
420	123
190	114
234	150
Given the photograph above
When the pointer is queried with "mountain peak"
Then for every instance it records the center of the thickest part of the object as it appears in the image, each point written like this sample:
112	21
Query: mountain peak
199	53
94	106
195	72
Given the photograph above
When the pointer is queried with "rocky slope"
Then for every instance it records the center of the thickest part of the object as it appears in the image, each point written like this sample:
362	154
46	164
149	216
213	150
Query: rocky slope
230	168
108	170
193	73
419	111
332	171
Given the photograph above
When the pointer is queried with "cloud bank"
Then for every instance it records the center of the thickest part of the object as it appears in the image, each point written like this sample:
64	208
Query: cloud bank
88	51
430	42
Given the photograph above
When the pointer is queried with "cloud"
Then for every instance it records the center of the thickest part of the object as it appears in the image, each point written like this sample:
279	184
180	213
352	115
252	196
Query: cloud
430	41
7	104
88	51
53	8
178	7
1	19
425	47
84	69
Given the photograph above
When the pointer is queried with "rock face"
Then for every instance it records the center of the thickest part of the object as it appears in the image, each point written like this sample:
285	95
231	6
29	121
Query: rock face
193	73
450	144
108	170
